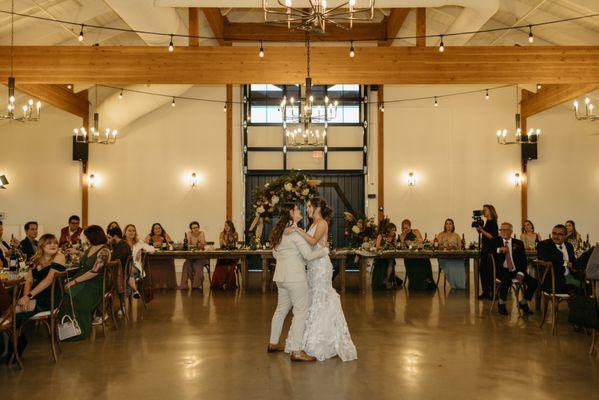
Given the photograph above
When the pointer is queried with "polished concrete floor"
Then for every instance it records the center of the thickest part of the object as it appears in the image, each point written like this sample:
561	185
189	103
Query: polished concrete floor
212	346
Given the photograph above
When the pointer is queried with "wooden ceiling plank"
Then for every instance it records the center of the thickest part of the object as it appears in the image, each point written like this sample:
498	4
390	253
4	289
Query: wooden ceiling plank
393	23
57	96
553	95
217	23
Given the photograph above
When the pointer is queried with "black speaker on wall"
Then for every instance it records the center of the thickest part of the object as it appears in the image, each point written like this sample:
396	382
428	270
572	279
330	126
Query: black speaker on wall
529	151
80	151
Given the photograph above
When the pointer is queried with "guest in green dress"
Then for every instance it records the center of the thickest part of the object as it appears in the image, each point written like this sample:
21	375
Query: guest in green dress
383	271
85	289
454	269
419	270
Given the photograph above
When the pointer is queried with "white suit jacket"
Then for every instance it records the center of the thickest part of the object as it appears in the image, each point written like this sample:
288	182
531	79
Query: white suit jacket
292	255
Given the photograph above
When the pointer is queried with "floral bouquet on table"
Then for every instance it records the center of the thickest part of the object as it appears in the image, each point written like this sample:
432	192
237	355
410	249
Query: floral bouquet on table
360	229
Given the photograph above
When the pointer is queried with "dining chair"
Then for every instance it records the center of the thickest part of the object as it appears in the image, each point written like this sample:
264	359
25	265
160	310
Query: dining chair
109	293
547	271
515	286
8	321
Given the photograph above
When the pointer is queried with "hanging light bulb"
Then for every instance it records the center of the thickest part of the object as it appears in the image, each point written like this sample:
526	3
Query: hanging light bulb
436	104
538	86
352	51
261	52
382	107
531	37
121	95
173	102
225	108
441	45
487	94
171	47
81	34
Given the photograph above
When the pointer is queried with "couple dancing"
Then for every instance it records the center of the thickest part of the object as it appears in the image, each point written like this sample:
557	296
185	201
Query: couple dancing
318	330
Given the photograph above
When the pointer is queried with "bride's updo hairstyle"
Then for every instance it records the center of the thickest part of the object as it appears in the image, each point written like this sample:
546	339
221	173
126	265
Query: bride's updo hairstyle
325	211
284	221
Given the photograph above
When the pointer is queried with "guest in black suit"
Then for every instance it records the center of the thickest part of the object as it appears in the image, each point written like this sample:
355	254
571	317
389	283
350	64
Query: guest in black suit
489	233
29	244
561	254
511	263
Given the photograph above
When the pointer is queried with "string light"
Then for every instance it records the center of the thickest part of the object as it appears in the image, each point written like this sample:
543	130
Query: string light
538	86
173	102
225	108
69	86
261	52
121	95
441	45
382	107
487	94
81	34
531	37
171	47
352	51
436	104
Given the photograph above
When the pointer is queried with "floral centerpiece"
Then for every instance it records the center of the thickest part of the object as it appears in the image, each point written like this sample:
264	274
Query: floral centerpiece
360	229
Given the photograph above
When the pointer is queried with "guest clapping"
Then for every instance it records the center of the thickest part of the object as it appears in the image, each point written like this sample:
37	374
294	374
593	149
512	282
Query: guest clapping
529	237
511	263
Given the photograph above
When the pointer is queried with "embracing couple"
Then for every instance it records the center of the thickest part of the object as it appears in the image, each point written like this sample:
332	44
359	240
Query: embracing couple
318	330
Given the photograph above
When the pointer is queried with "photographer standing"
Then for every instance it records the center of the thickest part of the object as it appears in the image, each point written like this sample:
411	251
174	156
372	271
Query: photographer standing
489	233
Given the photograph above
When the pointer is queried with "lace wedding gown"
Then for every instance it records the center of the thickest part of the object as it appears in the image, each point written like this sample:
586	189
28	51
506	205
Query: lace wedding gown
326	333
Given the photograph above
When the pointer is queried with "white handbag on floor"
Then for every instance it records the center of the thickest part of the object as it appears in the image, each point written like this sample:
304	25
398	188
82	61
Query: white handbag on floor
68	326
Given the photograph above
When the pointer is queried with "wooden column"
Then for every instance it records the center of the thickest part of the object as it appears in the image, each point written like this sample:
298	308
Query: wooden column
421	27
84	185
381	153
194	26
524	175
229	151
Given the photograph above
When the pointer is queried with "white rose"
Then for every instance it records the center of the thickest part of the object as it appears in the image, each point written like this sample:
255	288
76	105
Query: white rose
288	186
300	183
355	229
274	200
260	210
305	192
266	184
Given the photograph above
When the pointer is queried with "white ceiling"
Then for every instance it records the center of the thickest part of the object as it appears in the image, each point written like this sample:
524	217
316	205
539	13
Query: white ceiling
511	12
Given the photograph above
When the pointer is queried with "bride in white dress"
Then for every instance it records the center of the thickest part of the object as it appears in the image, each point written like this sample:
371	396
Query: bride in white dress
326	334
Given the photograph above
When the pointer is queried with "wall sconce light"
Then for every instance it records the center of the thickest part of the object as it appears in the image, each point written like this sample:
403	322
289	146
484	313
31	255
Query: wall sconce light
411	180
3	181
91	181
517	179
193	179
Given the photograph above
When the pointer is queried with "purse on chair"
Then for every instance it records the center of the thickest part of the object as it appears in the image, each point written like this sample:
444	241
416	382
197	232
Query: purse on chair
68	326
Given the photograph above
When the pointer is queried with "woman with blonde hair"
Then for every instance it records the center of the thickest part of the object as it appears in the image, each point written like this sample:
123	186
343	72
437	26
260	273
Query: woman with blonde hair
136	246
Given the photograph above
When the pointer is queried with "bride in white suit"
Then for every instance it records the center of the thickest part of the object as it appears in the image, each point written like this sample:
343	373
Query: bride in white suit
291	253
326	334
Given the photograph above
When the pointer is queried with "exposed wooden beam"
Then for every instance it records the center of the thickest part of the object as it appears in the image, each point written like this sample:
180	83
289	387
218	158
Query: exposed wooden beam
421	27
229	168
553	95
57	96
393	24
194	26
524	176
274	33
122	65
381	154
217	23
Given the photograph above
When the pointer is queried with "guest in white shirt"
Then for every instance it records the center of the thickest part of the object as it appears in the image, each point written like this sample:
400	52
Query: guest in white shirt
561	254
137	246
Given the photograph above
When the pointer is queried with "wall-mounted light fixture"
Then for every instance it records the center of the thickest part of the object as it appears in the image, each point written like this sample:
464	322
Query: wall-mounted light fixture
517	179
91	181
3	181
411	179
193	179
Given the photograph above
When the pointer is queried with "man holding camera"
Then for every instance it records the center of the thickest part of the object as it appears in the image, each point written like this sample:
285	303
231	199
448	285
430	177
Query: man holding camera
511	263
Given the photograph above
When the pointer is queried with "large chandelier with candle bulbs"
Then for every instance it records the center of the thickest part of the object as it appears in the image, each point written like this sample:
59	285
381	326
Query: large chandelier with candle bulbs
93	134
504	136
314	15
306	124
588	114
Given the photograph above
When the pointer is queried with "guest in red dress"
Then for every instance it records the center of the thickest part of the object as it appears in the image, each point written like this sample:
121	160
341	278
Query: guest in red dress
72	232
224	272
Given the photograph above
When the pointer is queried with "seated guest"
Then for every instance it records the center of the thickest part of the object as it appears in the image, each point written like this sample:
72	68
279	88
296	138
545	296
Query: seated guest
163	269
29	244
70	234
561	254
511	263
112	225
224	272
158	236
383	271
572	235
85	289
418	270
454	269
122	252
44	264
137	246
529	237
193	269
4	245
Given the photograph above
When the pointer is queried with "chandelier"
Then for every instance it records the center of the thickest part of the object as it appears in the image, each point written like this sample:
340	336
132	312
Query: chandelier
531	136
306	123
589	108
30	113
95	135
316	14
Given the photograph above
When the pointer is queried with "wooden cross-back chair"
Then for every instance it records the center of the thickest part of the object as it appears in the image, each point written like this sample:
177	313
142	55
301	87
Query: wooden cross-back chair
547	271
8	321
110	276
515	286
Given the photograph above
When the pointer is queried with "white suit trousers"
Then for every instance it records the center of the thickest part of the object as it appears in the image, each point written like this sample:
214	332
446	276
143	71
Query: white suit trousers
292	295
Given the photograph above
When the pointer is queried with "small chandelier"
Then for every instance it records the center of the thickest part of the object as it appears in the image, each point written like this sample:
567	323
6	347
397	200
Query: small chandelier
589	108
30	113
531	136
306	124
95	135
315	17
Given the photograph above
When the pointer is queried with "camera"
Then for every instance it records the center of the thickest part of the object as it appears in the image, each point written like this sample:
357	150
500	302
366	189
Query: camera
477	219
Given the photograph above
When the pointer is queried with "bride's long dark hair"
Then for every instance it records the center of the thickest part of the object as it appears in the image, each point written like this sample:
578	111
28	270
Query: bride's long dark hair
325	211
284	221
